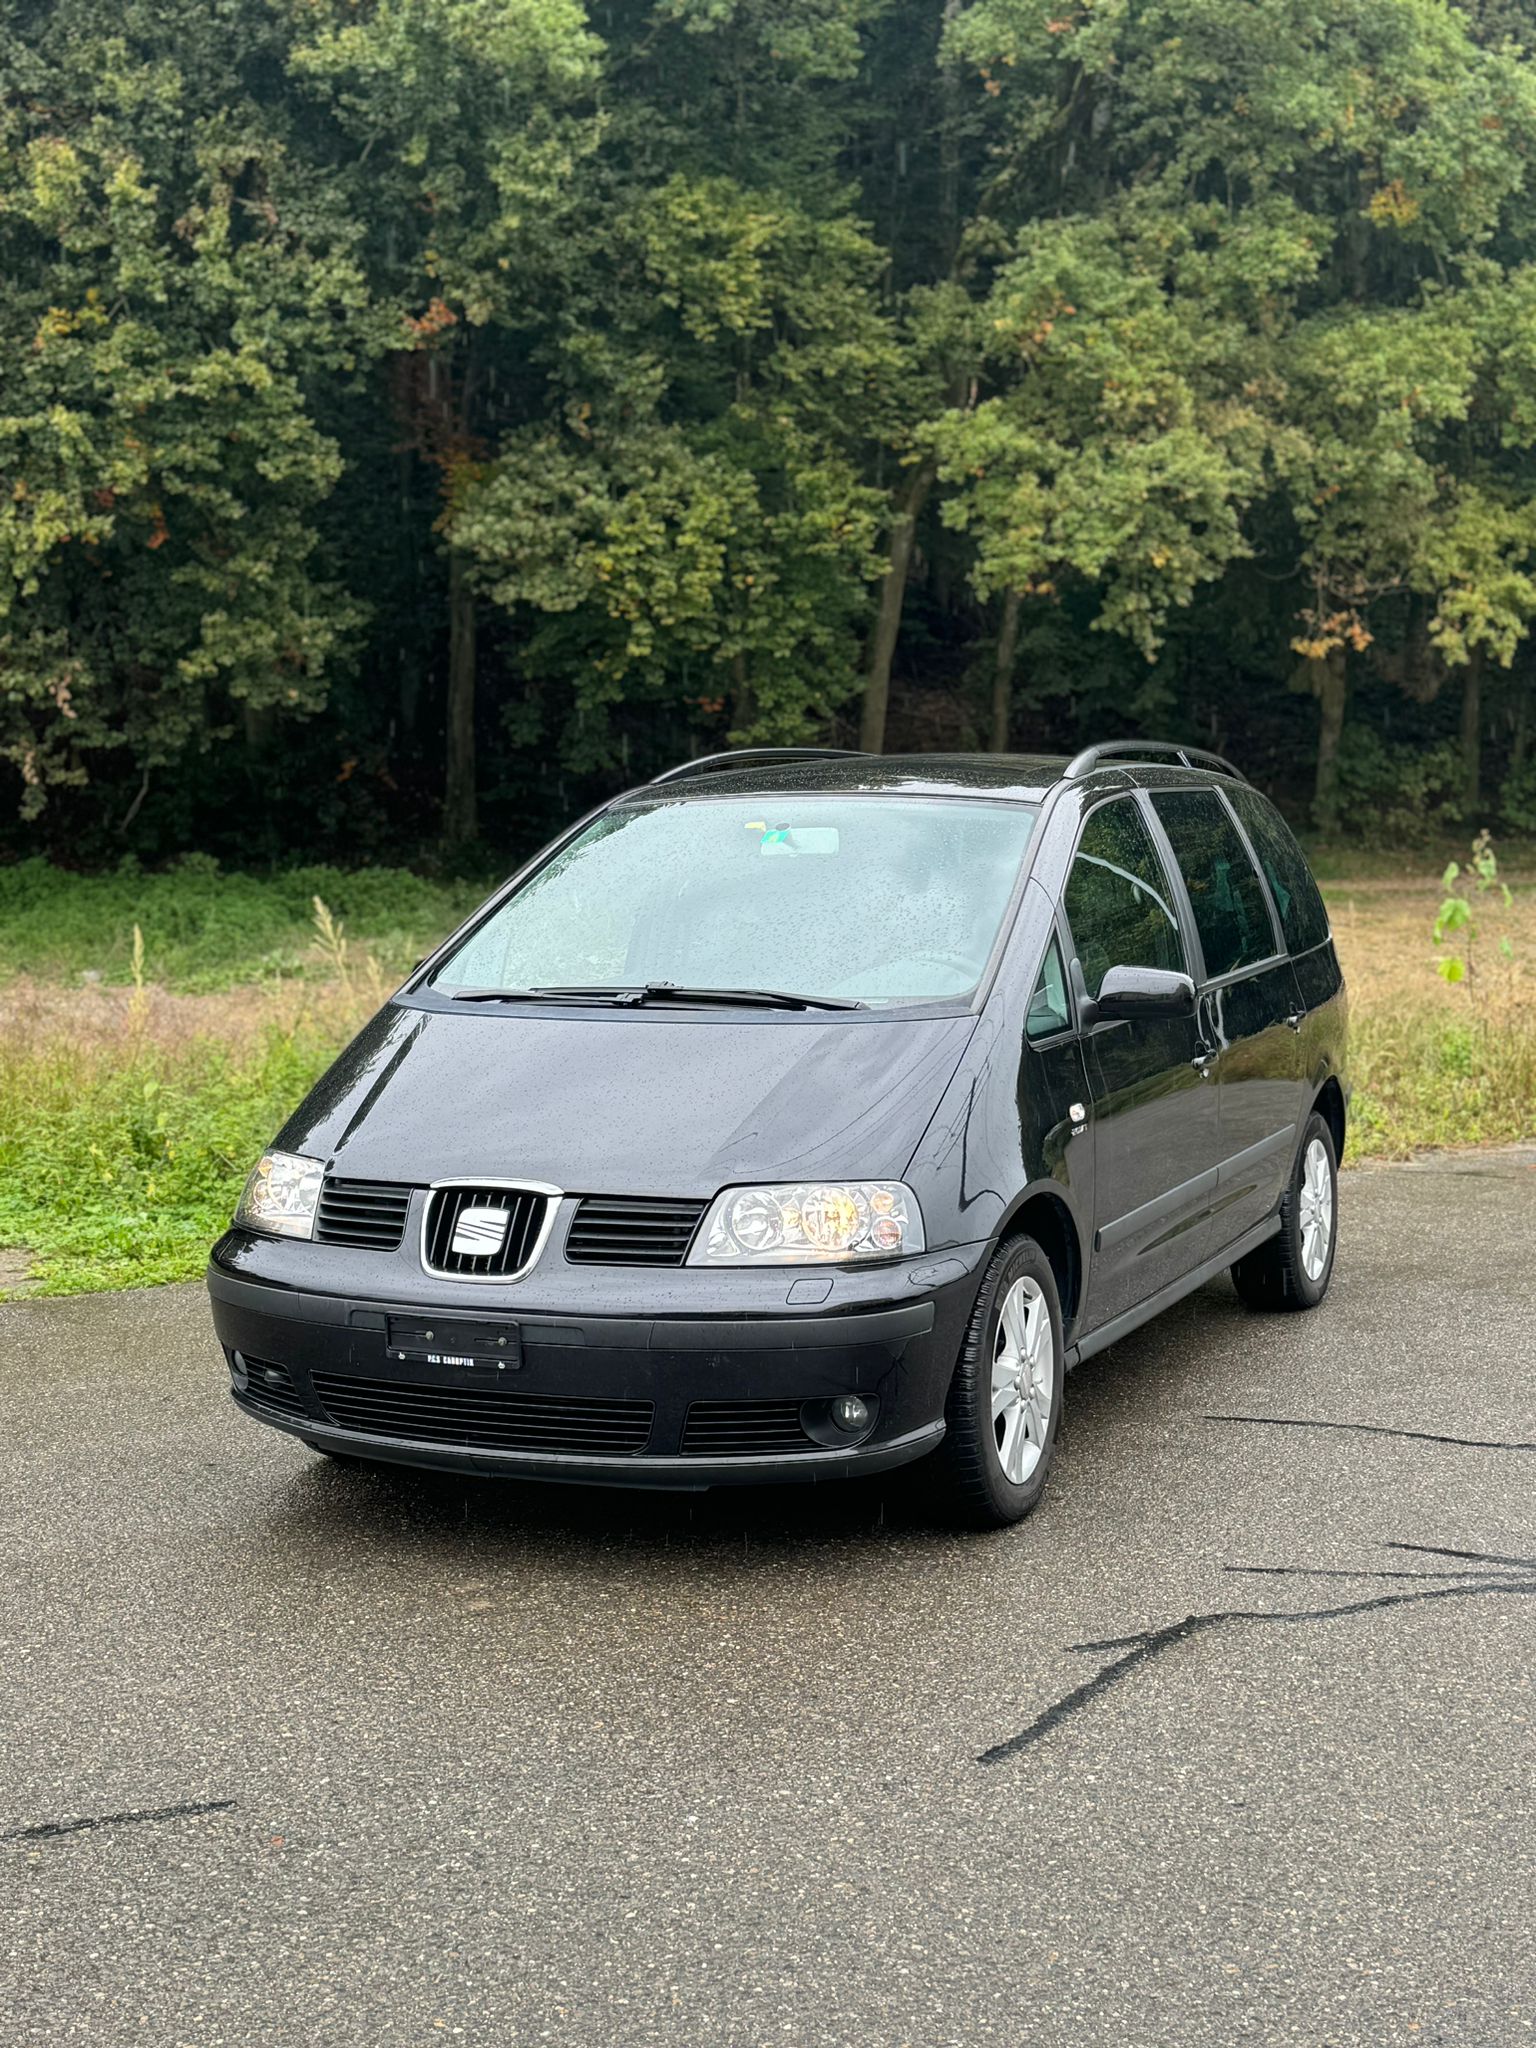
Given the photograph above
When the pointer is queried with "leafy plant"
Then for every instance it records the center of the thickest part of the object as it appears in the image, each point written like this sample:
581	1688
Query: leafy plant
1456	921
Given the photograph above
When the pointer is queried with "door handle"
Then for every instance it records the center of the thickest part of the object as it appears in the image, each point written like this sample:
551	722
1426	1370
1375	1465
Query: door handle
1202	1062
1296	1019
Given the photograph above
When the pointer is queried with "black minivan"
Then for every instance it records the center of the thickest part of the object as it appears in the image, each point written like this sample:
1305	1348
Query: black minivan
802	1114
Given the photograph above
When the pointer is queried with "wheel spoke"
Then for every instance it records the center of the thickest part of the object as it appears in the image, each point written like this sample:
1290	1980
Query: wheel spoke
1039	1333
1011	1449
1016	1323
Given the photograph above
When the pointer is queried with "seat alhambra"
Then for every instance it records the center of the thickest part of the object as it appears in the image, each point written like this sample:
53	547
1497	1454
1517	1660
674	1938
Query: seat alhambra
800	1115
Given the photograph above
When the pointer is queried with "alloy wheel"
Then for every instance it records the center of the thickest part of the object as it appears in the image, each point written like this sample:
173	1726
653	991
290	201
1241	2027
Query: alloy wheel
1315	1209
1023	1380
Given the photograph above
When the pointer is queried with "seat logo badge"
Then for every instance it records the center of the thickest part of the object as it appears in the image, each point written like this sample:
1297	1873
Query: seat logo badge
479	1231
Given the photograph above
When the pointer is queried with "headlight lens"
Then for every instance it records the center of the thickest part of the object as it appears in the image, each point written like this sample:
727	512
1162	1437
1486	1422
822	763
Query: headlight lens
805	1223
281	1195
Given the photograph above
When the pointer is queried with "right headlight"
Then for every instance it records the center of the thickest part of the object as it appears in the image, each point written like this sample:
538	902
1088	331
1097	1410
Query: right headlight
808	1223
281	1195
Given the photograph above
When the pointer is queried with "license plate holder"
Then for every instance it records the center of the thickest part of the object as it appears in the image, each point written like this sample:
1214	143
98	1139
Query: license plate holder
464	1343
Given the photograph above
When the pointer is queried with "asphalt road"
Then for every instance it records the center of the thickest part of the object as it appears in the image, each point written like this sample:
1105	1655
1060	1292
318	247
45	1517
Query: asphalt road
1233	1742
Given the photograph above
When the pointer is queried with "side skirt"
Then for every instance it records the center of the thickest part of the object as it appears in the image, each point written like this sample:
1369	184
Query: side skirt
1122	1326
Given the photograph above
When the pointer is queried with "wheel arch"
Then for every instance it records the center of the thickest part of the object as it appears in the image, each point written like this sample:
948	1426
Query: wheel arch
1329	1105
1045	1216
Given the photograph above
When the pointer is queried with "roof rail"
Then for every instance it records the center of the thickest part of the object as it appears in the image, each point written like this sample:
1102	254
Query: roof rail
1148	750
740	755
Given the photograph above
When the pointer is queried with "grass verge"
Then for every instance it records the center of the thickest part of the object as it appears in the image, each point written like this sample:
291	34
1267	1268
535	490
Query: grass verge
122	1150
204	930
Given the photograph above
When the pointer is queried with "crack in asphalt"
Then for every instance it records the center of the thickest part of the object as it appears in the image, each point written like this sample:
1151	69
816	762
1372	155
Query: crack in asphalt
48	1830
1420	1436
1148	1644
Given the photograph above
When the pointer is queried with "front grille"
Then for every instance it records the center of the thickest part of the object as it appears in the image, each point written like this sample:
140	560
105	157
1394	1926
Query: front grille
525	1214
367	1213
744	1429
271	1386
632	1230
473	1418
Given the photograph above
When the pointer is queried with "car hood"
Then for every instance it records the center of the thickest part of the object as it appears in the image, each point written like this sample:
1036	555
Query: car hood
628	1102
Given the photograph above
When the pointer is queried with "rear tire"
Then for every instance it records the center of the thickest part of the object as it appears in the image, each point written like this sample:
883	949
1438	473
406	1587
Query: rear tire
1005	1399
1292	1269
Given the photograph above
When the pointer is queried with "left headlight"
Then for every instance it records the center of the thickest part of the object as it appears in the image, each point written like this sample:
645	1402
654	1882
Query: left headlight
281	1195
806	1223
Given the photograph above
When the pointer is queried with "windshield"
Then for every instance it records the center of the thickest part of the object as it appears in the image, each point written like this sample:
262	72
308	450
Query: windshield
871	898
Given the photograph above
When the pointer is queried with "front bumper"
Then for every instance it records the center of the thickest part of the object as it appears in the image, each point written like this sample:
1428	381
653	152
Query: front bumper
600	1398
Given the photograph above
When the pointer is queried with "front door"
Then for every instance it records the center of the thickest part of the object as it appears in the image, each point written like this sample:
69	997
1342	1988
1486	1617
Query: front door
1250	1008
1156	1136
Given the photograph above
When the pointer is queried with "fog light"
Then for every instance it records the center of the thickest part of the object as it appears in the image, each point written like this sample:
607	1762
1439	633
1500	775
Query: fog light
237	1372
851	1413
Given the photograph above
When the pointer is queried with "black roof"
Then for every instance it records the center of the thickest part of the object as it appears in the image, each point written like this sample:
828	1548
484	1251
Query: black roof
1022	777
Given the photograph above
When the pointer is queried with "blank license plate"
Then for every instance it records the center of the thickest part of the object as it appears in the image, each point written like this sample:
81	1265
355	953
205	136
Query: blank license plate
454	1341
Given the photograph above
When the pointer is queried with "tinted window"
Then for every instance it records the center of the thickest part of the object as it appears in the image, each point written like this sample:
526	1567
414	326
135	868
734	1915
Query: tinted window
1231	914
1302	916
885	899
1048	1010
1119	904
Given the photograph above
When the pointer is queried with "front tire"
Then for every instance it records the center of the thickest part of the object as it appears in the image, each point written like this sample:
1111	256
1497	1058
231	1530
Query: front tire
1005	1399
1292	1269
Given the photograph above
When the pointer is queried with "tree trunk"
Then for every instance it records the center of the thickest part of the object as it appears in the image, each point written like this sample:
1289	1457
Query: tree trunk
743	703
951	114
1472	730
1329	682
460	823
1002	673
893	589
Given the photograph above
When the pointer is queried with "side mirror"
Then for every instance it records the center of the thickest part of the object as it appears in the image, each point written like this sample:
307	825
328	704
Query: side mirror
1128	993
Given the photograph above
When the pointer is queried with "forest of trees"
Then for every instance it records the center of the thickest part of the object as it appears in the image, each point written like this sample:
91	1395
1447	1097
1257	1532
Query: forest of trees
418	417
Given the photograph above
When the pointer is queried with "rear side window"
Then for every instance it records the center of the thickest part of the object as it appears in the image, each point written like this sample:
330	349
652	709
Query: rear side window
1118	900
1227	896
1302	916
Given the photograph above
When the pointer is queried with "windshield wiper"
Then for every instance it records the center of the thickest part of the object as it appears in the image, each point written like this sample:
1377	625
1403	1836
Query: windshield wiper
754	998
659	992
534	995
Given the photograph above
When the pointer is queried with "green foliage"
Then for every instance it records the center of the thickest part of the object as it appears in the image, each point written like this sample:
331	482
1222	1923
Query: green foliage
202	929
597	358
175	276
1455	919
120	1172
1411	794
